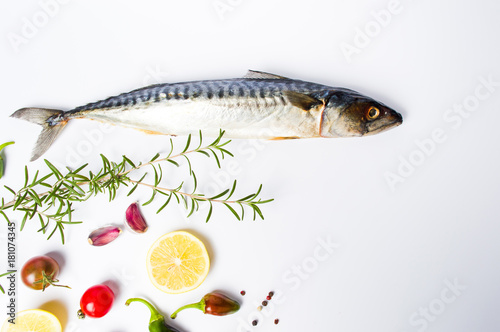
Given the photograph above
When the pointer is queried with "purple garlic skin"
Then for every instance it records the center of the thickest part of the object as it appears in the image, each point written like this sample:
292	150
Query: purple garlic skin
135	220
104	235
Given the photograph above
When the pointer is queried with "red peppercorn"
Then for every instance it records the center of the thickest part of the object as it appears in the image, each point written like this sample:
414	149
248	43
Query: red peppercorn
268	298
276	321
243	293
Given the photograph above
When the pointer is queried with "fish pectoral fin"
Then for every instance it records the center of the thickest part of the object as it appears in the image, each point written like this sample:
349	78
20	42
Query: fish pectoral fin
150	132
283	138
263	75
301	100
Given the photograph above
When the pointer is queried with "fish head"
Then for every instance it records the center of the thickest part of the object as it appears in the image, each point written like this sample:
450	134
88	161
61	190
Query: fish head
350	114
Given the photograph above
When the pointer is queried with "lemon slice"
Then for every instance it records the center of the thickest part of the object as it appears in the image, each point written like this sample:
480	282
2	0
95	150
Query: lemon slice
177	262
33	320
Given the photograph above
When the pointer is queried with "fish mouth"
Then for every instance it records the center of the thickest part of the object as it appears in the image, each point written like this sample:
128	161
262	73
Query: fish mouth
395	119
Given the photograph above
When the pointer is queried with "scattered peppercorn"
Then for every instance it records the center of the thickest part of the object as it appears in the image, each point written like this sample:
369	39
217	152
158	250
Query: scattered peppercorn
264	303
259	308
268	298
243	293
255	322
276	321
271	294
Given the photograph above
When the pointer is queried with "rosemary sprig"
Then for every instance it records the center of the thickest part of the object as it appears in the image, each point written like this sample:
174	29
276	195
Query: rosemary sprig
54	204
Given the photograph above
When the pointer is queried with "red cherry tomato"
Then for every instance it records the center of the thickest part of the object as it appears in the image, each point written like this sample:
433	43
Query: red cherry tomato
96	301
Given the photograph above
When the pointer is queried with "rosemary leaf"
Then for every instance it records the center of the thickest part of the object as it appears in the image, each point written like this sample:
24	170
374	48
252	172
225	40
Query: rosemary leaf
209	212
232	210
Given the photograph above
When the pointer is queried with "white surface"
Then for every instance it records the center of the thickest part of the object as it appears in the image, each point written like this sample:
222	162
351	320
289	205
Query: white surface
397	250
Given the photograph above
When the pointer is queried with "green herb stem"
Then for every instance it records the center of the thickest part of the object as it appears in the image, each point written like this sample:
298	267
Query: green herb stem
54	204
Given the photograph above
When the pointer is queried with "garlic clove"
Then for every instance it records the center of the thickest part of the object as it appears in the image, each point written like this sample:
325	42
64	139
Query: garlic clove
104	235
135	220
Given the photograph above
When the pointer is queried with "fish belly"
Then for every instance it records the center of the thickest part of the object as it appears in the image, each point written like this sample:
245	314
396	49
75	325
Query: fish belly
264	118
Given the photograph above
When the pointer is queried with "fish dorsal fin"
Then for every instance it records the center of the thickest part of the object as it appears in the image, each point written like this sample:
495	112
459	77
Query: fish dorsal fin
301	100
263	75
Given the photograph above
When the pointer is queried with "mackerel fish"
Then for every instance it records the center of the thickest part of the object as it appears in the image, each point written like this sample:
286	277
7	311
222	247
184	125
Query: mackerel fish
259	105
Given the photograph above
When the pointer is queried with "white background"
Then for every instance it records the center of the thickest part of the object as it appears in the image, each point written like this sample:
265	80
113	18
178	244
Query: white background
398	250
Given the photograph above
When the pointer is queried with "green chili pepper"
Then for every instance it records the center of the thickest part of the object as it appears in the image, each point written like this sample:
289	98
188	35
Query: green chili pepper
213	304
157	321
1	158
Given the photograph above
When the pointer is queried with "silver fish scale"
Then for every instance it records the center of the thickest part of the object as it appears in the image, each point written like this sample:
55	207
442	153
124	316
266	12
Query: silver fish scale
218	89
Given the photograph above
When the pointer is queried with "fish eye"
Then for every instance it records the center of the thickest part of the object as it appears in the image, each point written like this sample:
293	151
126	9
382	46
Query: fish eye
373	113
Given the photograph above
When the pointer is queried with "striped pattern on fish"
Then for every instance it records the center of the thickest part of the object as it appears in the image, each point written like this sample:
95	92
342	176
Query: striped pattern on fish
260	105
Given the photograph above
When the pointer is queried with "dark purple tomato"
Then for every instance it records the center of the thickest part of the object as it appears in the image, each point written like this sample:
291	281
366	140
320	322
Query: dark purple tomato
40	272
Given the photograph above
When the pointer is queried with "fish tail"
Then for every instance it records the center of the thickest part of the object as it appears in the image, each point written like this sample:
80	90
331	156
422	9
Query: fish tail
52	122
